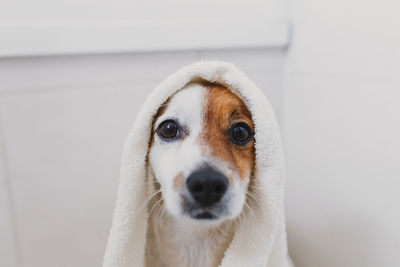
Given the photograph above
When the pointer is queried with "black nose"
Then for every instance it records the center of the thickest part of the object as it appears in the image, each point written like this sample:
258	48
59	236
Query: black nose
207	187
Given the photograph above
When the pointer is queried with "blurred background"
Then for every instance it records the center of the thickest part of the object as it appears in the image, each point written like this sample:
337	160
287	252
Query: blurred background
74	73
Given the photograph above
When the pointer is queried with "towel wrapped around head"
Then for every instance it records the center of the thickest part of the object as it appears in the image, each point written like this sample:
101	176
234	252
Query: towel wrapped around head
261	241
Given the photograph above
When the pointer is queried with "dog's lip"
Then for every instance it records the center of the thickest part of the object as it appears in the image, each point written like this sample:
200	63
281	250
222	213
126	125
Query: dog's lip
205	216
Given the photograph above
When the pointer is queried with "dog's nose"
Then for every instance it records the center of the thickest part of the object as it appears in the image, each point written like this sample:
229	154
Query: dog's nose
207	186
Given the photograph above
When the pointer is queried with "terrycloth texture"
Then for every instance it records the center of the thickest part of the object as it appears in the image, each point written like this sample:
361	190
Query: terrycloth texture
261	242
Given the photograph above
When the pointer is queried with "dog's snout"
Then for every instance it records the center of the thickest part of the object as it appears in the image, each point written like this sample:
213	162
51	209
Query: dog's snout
207	186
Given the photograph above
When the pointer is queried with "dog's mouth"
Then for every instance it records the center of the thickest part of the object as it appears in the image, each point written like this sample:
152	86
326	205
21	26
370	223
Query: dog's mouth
205	216
197	212
202	215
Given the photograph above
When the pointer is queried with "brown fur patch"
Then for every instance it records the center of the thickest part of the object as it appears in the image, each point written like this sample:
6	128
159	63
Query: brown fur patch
222	109
178	181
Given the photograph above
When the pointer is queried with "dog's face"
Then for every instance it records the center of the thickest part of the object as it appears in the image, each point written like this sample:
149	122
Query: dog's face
202	153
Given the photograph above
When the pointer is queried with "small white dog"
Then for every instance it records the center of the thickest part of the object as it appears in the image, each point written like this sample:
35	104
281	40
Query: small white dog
202	156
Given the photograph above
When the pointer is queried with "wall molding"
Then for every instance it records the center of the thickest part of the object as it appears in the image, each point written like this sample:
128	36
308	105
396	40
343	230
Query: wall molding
38	39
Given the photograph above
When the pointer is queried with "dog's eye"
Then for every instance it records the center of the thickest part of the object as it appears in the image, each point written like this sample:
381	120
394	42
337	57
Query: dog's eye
241	133
168	129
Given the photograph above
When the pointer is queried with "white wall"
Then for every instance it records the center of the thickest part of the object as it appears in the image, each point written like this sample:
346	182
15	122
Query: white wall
122	10
54	27
342	129
63	121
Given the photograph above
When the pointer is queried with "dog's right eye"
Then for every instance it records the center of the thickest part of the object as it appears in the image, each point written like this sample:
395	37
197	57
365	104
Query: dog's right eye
241	134
168	130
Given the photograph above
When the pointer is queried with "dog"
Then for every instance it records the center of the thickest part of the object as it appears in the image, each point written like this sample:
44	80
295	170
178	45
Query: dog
202	156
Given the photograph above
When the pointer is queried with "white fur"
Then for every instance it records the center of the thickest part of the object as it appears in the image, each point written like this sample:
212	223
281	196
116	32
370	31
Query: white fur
170	158
187	244
258	242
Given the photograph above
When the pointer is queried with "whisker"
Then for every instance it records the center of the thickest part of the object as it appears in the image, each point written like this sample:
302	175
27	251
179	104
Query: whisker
148	200
256	199
158	217
248	208
241	218
152	208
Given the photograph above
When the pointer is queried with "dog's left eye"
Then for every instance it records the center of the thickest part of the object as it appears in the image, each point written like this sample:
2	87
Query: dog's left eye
168	129
240	133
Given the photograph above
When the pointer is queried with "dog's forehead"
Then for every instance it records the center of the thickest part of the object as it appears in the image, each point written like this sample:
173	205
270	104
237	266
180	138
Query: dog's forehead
186	105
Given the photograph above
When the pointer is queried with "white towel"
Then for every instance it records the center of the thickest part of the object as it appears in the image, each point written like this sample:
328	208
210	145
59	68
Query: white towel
261	242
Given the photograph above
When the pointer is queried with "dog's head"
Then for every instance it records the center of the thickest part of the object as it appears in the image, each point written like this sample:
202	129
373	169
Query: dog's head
202	153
